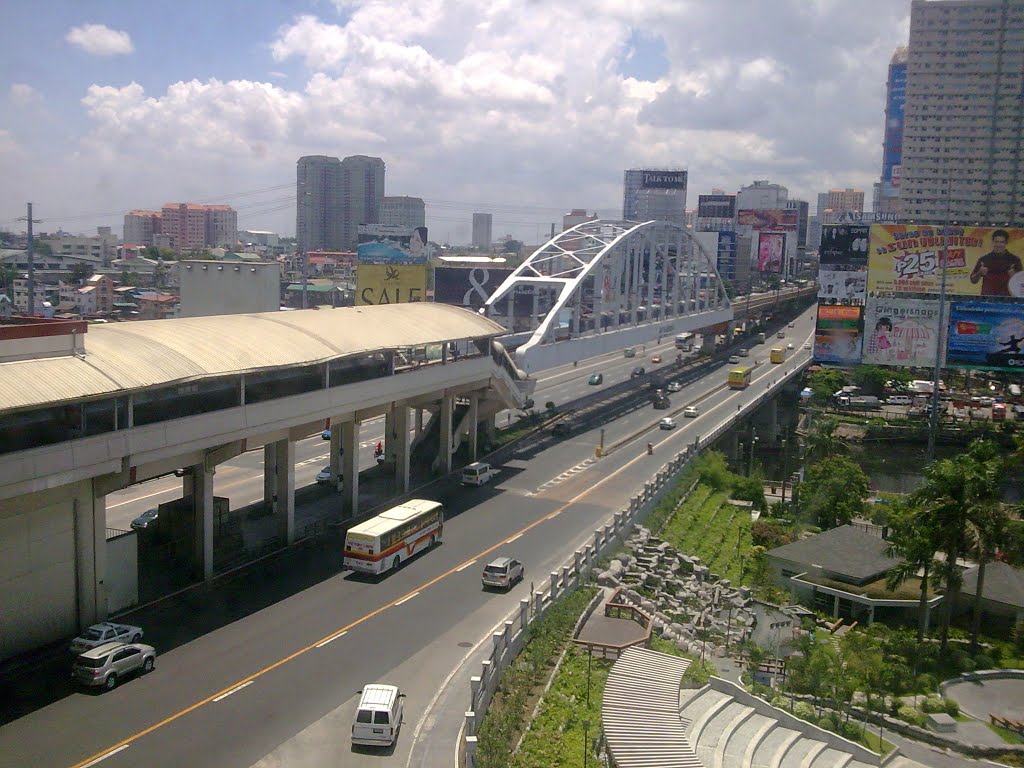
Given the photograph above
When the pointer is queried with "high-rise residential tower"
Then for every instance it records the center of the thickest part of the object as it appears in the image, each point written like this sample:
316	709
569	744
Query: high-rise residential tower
888	189
318	203
962	151
654	194
362	192
482	230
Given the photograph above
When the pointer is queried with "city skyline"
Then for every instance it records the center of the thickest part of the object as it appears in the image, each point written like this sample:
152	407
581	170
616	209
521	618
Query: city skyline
542	128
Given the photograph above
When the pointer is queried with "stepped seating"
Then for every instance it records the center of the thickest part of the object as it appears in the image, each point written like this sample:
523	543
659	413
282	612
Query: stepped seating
773	747
832	758
750	731
701	710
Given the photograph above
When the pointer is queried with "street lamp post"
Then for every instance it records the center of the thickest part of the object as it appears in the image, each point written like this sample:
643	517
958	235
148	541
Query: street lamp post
753	441
586	741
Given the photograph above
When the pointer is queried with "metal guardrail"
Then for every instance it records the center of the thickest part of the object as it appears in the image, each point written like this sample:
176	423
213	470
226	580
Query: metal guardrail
113	533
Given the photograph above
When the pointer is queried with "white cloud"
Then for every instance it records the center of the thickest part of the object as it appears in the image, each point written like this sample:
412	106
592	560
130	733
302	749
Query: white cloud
22	94
512	102
100	40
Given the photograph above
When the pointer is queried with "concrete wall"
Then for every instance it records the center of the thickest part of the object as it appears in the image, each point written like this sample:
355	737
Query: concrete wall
122	579
228	288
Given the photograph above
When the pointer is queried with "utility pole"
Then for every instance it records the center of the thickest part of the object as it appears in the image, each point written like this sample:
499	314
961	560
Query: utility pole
31	261
933	417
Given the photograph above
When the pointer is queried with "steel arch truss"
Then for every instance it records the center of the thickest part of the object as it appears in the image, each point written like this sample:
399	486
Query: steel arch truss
618	282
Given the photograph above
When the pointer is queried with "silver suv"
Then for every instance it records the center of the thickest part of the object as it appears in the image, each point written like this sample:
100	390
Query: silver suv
106	664
503	572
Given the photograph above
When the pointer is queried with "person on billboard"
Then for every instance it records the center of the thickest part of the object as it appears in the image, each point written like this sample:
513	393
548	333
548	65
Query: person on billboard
879	341
1012	344
996	267
418	241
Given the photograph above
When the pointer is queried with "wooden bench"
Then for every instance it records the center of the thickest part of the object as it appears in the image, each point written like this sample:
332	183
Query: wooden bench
1012	725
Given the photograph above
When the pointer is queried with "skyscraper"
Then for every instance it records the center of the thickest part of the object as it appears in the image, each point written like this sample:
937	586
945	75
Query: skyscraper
887	201
318	203
333	197
654	194
964	111
362	192
482	223
403	211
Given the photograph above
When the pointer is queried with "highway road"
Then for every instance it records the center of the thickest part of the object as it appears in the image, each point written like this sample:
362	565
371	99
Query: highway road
277	686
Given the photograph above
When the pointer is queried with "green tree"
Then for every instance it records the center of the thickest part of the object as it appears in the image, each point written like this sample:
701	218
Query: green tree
824	384
988	528
822	442
910	539
871	379
834	492
80	273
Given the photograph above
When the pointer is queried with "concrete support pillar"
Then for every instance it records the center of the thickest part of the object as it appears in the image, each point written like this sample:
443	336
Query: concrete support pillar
269	477
445	449
201	491
835	607
390	435
419	422
474	423
336	456
707	342
91	557
402	447
285	485
871	615
350	467
730	332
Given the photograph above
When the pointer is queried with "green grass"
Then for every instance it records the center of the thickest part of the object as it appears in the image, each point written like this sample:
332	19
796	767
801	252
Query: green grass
1010	737
876	744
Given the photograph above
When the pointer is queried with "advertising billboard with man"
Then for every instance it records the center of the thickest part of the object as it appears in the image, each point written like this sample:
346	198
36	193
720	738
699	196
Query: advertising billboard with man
986	336
844	245
982	261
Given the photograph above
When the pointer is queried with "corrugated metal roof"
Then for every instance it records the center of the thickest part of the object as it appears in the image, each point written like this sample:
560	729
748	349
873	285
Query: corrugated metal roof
640	712
148	353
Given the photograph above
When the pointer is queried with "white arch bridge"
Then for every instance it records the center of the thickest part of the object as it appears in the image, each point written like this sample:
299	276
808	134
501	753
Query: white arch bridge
605	285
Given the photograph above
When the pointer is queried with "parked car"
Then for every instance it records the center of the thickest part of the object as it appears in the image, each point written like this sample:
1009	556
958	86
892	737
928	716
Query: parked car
691	412
502	572
379	715
106	664
674	386
105	632
145	520
629	352
637	372
667	423
656	359
595	379
326	434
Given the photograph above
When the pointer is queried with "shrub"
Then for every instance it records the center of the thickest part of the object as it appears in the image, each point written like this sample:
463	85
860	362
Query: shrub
932	704
927	683
780	702
804	711
768	534
967	664
950	707
750	489
981	661
551	406
827	723
850	730
910	715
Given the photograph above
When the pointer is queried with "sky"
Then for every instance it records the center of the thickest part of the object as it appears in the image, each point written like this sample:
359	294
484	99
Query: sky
522	108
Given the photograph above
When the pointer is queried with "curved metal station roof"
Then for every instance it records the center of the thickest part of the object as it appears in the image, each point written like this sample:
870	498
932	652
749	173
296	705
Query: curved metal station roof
149	353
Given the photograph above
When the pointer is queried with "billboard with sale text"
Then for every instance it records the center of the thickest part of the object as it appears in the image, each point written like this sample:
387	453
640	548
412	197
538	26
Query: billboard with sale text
390	284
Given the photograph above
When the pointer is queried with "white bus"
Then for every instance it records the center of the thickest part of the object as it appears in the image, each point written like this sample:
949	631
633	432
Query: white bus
384	541
684	341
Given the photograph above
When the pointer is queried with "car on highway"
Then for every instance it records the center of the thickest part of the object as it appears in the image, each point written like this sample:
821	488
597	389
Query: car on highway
379	715
324	475
502	572
326	434
636	372
667	423
563	428
781	334
691	412
106	664
792	325
674	386
629	352
734	359
807	346
790	345
656	359
105	632
478	473
595	379
145	520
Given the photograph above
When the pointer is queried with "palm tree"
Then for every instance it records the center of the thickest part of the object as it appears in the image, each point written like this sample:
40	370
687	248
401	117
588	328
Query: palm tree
988	530
909	539
822	441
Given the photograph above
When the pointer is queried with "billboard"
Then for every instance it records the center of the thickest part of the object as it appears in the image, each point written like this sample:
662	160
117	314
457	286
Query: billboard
663	180
716	206
842	286
778	220
901	332
982	261
771	249
467	286
391	244
390	284
844	244
986	335
837	335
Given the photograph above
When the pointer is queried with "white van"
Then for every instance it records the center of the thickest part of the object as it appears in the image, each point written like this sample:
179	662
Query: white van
378	716
898	400
478	473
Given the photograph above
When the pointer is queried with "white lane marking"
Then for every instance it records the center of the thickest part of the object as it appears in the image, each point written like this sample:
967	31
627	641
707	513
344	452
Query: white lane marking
331	639
509	541
233	690
109	754
407	598
554	514
464	566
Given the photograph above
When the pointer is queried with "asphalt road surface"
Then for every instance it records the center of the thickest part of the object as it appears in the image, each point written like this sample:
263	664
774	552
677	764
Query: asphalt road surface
233	695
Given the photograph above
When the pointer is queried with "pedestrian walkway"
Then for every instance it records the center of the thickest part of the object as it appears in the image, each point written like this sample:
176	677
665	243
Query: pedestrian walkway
614	626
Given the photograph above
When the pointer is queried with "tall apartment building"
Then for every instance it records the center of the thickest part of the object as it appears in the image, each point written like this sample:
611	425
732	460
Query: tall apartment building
318	203
575	217
962	154
333	197
193	227
654	194
887	195
803	210
140	226
762	195
843	201
403	211
482	230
